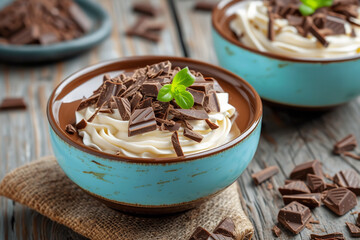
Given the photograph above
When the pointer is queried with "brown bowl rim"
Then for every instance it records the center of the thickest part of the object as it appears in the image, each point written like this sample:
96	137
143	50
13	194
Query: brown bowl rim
60	132
217	27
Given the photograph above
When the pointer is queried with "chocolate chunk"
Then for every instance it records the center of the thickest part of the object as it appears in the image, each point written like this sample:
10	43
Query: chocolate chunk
159	68
226	228
192	135
176	145
11	103
347	10
300	171
271	31
160	106
187	125
142	121
199	96
82	124
330	186
150	89
70	129
296	187
205	5
124	107
26	36
340	200
211	125
353	229
88	102
211	103
135	100
315	183
349	179
129	82
189	114
264	174
311	200
80	18
348	143
331	236
106	93
276	231
173	128
337	25
205	87
146	8
320	37
295	20
144	28
294	216
147	102
307	23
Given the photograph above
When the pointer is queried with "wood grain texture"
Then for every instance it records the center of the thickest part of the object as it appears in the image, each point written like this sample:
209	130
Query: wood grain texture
288	137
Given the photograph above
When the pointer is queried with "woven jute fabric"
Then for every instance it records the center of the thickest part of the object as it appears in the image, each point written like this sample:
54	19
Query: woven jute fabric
44	187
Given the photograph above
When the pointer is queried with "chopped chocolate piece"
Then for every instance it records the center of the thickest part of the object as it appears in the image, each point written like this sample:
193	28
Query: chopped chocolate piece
150	89
106	77
147	102
187	125
276	231
173	128
337	25
217	88
192	135
205	5
160	106
124	107
315	183
189	114
311	200
92	117
205	87
11	103
287	181
165	121
349	179
159	68
307	23
348	143
119	89
88	102
300	171
330	186
226	228
26	36
294	216
331	236
144	28
106	93
146	8
353	229
347	10
295	20
211	125
264	174
211	103
80	17
340	200
142	121
358	220
129	82
106	110
315	31
199	96
70	129
135	100
271	31
176	145
295	187
82	124
319	20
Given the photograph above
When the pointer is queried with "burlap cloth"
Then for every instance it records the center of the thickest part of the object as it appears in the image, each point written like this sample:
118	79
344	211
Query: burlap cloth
44	187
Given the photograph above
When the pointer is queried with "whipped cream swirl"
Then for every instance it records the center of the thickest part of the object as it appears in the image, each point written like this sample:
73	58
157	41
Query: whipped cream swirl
109	133
251	23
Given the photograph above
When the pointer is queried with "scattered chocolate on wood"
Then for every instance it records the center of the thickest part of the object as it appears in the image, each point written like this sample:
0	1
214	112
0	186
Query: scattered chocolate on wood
146	28
353	229
276	231
146	8
340	200
12	103
294	217
349	179
311	200
346	144
331	236
302	170
204	5
264	174
296	187
352	155
315	183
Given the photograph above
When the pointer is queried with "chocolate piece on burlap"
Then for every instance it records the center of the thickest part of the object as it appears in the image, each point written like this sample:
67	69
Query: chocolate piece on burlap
43	186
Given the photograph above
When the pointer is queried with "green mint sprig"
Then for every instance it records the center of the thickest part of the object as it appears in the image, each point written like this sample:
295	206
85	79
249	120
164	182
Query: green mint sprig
308	7
177	89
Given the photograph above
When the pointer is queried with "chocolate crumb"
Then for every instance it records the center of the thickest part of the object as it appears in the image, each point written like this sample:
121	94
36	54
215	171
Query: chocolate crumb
276	231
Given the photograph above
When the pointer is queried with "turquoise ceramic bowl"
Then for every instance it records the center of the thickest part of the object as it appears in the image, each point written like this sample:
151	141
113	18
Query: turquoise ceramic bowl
57	51
309	83
160	185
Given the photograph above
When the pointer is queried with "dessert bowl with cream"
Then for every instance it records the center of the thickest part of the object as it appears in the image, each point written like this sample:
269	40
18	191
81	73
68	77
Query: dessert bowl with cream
292	56
154	134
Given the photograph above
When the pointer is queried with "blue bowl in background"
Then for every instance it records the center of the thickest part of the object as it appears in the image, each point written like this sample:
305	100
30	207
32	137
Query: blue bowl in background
153	185
57	51
304	83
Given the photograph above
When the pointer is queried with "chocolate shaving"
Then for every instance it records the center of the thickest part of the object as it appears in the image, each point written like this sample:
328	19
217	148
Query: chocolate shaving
176	145
193	135
211	125
331	236
12	104
271	31
189	114
81	125
88	102
211	103
124	107
135	100
187	124
199	96
106	93
70	129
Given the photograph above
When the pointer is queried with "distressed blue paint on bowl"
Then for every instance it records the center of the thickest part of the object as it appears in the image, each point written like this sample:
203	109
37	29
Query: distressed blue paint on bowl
309	83
155	186
57	51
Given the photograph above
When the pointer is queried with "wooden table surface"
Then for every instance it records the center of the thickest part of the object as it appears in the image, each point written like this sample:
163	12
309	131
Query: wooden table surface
288	138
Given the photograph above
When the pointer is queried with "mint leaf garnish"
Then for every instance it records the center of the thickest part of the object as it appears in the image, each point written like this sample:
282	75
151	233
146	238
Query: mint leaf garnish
308	7
177	89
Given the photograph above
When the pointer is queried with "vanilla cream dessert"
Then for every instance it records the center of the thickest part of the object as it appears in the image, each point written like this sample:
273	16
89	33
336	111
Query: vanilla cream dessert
111	126
252	25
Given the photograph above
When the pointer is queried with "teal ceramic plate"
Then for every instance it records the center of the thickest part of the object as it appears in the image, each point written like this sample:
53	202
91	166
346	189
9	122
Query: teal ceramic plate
37	53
